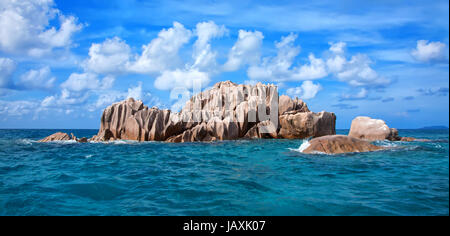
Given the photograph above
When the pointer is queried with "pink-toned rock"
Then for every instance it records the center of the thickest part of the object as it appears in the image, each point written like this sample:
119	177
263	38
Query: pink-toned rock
59	136
307	124
264	129
371	129
335	144
286	104
227	111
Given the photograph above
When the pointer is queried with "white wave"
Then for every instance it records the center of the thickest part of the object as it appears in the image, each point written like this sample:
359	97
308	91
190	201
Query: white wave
89	156
302	147
121	142
26	141
387	143
64	141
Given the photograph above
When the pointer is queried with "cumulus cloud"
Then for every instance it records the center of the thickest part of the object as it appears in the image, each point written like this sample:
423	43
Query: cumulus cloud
182	78
307	90
109	97
279	68
430	51
7	68
204	57
316	69
162	52
25	27
109	57
246	50
357	71
37	79
87	81
65	98
17	108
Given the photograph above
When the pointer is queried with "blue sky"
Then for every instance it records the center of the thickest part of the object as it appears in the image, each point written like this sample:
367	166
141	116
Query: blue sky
63	62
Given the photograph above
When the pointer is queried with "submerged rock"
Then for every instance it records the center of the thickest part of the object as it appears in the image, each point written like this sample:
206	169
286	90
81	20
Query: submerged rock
335	144
59	136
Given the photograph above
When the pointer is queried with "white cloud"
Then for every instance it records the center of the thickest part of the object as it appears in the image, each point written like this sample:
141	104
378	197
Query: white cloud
37	79
279	68
135	92
109	97
110	57
204	57
66	98
430	51
357	71
246	50
25	27
336	63
338	48
315	70
362	94
17	108
162	52
188	79
87	81
7	68
307	90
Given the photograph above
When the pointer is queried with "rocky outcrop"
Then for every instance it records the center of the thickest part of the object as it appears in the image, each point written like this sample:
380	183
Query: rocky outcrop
59	136
227	111
286	104
335	144
372	129
307	124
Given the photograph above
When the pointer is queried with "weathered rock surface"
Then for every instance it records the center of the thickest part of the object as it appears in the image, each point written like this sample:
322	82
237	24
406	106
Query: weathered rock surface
227	111
59	136
335	144
372	129
286	104
307	124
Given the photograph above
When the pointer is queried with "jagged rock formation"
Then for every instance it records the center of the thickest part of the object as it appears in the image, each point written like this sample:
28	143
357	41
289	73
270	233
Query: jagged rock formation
335	144
225	112
364	127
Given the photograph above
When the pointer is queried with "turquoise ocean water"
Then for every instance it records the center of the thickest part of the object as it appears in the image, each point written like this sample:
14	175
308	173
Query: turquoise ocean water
261	177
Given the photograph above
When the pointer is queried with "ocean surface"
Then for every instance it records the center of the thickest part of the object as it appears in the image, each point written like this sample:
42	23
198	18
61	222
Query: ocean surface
261	177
